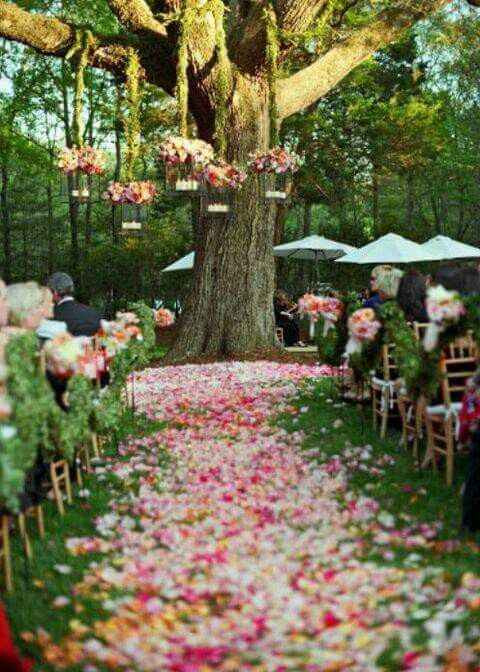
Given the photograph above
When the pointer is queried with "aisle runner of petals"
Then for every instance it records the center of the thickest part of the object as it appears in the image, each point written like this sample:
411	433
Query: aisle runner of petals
244	556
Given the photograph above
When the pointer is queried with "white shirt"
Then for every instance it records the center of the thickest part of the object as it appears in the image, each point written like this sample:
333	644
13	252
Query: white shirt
64	300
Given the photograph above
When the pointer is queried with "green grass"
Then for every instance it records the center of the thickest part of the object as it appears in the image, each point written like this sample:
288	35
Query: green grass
412	495
37	583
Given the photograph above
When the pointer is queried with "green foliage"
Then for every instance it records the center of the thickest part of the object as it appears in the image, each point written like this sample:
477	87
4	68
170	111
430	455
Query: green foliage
185	25
80	52
272	54
132	120
416	367
223	84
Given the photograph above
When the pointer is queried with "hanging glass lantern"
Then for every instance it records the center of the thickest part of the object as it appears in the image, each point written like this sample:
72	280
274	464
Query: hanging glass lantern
218	202
133	217
277	186
179	180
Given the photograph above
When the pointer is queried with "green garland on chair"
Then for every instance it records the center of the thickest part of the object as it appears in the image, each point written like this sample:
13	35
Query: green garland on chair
331	347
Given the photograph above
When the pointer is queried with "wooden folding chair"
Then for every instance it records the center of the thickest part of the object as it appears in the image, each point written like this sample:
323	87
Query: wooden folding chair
419	329
60	477
384	396
441	419
279	335
411	414
5	552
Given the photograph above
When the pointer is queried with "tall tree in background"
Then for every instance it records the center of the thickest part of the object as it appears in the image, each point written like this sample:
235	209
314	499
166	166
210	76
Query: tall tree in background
243	79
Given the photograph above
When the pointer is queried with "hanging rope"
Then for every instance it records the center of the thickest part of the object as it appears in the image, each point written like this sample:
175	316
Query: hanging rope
272	52
84	43
223	84
132	119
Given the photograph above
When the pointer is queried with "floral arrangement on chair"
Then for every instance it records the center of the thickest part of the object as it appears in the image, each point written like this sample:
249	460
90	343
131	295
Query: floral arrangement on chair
177	150
276	161
444	309
65	355
163	317
136	193
363	327
114	336
88	160
329	308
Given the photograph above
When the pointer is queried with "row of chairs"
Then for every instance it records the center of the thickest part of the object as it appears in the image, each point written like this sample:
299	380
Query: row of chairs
435	419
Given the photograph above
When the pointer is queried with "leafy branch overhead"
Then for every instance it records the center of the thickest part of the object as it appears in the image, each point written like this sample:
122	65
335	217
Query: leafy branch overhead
326	38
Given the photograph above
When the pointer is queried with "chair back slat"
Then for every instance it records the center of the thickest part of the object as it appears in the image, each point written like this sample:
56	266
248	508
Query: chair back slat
455	373
389	366
420	328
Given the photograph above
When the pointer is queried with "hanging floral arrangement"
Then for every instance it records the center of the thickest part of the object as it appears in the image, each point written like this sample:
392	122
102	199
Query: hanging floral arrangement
276	167
135	193
221	175
87	160
183	158
277	160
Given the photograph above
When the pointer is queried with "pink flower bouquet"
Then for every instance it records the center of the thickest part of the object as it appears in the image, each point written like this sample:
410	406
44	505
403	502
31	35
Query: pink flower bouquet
444	308
362	327
137	193
88	160
329	308
163	317
64	353
277	160
176	150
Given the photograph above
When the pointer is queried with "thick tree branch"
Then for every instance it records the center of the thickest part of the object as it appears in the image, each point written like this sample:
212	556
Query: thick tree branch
296	16
136	15
308	85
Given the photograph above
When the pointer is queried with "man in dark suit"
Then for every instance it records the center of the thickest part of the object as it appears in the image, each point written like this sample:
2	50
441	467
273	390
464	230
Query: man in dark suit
80	320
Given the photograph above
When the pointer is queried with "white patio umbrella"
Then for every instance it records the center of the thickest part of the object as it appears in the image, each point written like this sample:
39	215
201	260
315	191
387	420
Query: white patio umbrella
183	264
316	248
389	249
451	249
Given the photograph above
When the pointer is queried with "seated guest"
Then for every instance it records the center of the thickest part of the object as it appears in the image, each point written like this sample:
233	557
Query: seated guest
462	279
385	281
25	305
49	328
411	296
285	318
373	300
80	320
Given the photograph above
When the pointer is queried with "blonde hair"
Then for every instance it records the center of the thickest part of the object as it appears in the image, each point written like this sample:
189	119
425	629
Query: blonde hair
24	301
387	280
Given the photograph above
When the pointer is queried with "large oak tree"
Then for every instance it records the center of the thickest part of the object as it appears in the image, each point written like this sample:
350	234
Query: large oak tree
230	308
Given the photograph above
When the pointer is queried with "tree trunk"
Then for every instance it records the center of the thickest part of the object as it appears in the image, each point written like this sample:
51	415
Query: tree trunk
5	211
230	308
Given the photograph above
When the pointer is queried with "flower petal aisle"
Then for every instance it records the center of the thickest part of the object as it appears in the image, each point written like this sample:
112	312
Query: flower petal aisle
242	555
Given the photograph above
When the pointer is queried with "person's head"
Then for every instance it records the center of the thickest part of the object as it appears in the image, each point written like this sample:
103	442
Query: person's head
411	296
376	272
281	296
447	276
387	282
61	285
462	279
468	279
25	305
